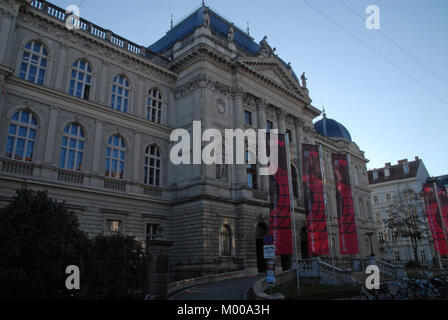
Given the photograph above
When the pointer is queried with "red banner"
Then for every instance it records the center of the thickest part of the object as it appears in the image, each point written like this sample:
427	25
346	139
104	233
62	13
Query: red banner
434	219
316	221
348	238
443	200
280	218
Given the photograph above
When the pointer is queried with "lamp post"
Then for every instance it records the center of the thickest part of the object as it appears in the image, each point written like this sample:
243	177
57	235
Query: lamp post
370	234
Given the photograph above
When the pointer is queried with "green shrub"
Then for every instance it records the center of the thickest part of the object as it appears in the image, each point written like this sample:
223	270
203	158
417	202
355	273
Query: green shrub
39	238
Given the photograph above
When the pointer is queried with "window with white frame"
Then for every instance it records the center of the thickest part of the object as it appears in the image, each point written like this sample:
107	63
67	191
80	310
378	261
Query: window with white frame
120	94
152	166
154	109
21	136
72	150
34	62
81	79
115	156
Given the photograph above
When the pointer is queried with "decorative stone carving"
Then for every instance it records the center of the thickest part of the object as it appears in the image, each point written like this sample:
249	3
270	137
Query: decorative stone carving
265	48
281	114
221	106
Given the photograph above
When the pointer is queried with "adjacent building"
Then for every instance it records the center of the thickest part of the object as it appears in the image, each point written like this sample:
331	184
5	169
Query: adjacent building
391	184
87	115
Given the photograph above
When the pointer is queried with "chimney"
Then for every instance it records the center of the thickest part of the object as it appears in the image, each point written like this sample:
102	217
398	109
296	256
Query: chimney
417	158
403	161
388	165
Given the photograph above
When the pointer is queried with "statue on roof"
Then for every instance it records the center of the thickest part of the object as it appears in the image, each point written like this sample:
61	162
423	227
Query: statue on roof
265	48
206	18
231	34
303	80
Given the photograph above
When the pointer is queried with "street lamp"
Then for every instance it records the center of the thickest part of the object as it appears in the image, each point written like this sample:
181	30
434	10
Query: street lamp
370	234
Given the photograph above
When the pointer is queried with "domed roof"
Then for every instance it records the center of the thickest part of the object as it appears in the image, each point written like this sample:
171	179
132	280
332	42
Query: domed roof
332	129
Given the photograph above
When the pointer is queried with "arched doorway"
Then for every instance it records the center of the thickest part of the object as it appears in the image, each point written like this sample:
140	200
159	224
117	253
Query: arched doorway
304	243
260	231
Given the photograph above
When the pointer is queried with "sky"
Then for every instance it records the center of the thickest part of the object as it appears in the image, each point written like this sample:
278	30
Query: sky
388	87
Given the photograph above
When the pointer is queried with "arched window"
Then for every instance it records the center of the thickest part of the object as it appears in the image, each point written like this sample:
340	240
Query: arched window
72	150
226	241
21	136
34	62
295	192
81	79
152	166
115	154
120	94
154	111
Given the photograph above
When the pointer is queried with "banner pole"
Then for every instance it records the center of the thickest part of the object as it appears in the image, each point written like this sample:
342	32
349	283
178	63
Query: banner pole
353	200
330	238
293	218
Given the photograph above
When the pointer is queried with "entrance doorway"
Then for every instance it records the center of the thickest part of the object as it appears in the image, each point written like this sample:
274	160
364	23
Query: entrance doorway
260	231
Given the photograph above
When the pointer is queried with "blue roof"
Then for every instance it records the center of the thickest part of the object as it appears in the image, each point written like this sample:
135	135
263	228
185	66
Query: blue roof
332	129
196	19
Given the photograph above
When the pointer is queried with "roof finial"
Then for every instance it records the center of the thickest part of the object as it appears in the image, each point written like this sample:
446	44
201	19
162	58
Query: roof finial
203	3
248	30
171	21
323	110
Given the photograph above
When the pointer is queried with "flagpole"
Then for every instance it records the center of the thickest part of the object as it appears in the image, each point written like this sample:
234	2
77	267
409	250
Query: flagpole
330	239
349	159
293	218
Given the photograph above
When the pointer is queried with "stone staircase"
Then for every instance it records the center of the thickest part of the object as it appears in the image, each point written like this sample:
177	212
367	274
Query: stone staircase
325	273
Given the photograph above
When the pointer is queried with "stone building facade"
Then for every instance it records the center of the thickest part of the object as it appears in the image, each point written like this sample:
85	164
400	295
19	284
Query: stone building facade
87	115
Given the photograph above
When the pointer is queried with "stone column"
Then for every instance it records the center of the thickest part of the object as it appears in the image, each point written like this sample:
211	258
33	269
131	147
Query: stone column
97	150
299	134
59	81
157	272
262	124
281	116
136	174
238	120
5	34
51	134
103	97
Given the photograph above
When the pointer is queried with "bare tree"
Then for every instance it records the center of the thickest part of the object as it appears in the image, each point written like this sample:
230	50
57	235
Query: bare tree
407	219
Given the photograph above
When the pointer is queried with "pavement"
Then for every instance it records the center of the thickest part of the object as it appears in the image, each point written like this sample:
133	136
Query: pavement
234	289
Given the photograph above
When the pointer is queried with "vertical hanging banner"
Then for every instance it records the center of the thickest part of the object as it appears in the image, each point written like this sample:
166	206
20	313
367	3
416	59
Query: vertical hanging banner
443	200
348	238
280	217
434	219
316	220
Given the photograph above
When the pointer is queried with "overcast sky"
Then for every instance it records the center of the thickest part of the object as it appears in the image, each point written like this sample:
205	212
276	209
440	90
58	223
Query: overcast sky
392	95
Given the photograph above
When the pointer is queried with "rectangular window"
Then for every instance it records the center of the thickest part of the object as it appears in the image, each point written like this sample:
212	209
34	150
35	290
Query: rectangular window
114	226
151	231
248	118
388	197
375	199
288	136
269	126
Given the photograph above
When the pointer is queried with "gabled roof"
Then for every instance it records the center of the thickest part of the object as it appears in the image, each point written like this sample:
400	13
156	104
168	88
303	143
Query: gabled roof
396	172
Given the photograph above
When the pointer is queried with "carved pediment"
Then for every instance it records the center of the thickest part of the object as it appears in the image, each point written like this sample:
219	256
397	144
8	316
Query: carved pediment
273	69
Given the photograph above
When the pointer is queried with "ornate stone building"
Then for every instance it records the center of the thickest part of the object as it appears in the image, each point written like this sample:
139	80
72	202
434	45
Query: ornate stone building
87	115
